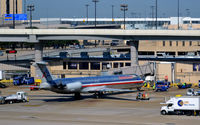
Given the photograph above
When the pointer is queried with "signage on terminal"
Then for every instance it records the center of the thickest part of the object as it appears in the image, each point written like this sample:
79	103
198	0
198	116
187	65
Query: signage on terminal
9	17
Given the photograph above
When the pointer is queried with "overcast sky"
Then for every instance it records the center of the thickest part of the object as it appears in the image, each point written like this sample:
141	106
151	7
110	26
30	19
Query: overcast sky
76	8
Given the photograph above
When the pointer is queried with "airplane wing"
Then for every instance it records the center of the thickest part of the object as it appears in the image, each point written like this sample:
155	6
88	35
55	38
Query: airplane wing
105	89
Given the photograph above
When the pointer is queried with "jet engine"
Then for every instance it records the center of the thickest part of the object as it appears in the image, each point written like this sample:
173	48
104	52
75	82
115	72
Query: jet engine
74	87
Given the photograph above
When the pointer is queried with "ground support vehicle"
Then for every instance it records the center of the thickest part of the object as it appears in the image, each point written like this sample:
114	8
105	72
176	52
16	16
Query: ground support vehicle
193	92
24	79
36	86
187	105
184	86
2	100
15	98
142	96
161	86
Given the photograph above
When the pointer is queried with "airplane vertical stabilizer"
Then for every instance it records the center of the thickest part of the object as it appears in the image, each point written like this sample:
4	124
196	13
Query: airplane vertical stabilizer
43	72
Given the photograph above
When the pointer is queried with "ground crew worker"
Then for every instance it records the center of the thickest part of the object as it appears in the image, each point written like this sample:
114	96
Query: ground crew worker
154	86
145	84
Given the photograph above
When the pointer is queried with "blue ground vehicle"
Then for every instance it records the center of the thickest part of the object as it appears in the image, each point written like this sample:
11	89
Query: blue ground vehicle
184	86
162	86
23	80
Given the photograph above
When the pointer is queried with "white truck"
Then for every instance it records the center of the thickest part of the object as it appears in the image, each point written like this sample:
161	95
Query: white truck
186	105
18	97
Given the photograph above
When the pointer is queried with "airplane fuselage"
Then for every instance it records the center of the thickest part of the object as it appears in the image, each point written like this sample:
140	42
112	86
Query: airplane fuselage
92	84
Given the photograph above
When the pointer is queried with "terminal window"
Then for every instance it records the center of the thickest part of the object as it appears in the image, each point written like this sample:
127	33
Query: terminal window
190	43
170	43
127	64
105	66
84	65
95	66
64	65
183	43
176	43
116	65
72	65
163	43
121	64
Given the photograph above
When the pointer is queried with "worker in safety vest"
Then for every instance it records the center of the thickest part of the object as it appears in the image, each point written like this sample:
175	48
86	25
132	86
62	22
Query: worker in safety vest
145	84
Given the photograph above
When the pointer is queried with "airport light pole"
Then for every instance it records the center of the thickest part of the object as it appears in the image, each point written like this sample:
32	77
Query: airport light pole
152	10
187	12
87	5
31	8
124	7
95	25
13	14
95	4
156	14
178	13
112	13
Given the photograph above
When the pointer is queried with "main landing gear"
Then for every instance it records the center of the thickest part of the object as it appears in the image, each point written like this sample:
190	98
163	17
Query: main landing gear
77	96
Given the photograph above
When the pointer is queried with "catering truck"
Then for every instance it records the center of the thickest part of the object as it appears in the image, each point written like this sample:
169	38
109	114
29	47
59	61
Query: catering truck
186	105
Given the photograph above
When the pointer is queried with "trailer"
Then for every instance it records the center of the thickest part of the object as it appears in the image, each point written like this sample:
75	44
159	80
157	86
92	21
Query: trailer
15	98
186	105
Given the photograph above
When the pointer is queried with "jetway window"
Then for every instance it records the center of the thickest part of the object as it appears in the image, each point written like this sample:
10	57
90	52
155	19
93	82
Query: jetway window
84	65
95	66
72	65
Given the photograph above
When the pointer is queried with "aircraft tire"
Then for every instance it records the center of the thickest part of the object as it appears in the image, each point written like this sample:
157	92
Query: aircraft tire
77	96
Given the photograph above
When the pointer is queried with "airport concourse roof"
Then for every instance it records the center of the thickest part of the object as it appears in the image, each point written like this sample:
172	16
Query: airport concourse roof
6	67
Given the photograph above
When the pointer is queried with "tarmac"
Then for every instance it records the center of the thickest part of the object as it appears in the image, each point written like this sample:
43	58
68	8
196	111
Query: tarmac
48	108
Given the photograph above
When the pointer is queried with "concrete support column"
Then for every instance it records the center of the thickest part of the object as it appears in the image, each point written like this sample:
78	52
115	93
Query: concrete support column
38	52
134	53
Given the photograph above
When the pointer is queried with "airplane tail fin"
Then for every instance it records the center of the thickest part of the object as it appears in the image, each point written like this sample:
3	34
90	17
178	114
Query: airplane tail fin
42	72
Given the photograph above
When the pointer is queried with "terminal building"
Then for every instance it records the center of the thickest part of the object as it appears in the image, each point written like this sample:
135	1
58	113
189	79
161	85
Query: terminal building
6	7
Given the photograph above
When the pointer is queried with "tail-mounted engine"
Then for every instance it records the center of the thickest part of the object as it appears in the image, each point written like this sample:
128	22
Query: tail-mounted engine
74	87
